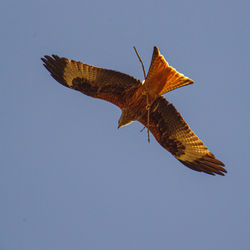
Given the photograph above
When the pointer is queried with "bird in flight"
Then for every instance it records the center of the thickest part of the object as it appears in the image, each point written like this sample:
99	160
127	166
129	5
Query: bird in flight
143	102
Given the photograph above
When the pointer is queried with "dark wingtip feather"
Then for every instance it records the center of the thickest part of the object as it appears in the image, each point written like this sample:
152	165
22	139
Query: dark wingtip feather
207	164
55	65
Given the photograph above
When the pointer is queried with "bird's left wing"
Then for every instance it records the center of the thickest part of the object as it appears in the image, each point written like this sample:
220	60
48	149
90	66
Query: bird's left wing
173	133
109	85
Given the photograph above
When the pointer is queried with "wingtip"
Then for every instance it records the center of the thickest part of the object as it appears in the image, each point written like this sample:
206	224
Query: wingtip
207	164
44	60
55	65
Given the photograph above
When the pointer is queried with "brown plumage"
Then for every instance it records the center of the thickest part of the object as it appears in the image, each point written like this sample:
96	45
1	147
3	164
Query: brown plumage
141	102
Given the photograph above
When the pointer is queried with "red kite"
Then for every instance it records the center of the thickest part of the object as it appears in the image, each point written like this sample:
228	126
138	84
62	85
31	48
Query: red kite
143	102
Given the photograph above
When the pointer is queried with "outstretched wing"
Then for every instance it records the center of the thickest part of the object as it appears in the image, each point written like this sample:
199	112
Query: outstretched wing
173	133
97	82
163	78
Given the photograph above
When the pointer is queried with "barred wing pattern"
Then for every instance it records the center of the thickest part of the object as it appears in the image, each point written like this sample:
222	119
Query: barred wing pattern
97	82
173	133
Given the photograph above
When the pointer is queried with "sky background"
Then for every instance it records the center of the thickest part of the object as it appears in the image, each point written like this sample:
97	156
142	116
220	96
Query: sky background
70	180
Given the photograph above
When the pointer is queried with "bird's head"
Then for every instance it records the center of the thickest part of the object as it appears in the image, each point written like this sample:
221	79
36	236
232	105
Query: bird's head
125	119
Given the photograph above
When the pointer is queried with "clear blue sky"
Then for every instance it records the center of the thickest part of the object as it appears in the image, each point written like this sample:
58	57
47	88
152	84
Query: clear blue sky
70	180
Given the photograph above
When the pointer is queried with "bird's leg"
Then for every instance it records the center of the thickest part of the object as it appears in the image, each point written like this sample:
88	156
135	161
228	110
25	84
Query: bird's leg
145	92
148	106
148	110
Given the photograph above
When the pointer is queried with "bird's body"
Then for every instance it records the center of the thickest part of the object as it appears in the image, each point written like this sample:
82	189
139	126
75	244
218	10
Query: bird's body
141	102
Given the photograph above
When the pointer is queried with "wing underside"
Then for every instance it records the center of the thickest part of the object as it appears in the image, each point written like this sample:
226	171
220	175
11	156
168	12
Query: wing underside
173	133
109	85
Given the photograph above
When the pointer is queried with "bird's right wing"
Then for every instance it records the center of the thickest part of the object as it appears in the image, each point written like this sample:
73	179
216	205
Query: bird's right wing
173	133
97	82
